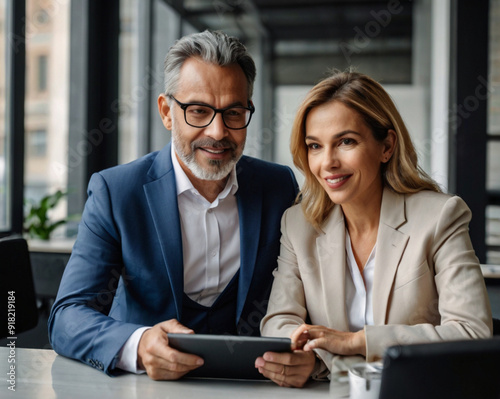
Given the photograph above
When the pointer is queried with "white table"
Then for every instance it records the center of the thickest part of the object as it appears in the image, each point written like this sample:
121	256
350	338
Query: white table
43	374
491	271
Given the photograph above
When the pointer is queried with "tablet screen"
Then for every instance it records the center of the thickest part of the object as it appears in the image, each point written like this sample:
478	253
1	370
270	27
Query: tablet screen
227	356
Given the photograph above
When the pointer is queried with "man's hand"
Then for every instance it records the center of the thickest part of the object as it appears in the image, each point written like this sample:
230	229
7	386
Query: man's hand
160	361
287	369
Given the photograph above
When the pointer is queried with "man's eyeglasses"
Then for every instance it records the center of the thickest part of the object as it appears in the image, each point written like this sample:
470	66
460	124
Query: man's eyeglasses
202	115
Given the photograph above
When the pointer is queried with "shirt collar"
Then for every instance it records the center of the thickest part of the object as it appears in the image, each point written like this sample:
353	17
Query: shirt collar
184	184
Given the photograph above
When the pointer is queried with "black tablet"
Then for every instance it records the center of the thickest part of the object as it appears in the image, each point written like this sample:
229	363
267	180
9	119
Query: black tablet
227	356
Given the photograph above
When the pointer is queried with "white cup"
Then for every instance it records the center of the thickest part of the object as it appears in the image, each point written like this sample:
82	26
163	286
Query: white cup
364	381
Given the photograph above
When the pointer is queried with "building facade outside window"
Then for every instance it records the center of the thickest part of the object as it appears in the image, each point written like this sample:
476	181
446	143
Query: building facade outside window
47	100
42	73
37	144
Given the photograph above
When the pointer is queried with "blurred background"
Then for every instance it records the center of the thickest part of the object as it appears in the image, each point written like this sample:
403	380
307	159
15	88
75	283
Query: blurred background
79	81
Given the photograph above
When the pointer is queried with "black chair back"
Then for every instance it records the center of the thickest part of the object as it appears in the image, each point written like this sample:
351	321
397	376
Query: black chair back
18	312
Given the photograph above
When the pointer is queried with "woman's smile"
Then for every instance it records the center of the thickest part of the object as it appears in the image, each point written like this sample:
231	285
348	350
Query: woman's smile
343	154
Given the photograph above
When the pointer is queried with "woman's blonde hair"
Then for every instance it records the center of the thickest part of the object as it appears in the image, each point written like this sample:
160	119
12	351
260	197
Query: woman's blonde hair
367	97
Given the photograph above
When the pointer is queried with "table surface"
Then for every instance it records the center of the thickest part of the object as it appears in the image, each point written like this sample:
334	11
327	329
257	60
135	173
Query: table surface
41	373
491	271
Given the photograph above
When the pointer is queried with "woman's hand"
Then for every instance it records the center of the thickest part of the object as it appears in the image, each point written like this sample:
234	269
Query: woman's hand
310	337
287	369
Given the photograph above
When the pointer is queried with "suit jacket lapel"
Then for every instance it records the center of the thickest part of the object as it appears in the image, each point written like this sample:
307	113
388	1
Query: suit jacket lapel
391	244
249	198
161	195
332	268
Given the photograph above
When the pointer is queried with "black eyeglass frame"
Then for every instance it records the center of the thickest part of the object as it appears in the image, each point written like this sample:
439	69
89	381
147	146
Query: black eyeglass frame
221	111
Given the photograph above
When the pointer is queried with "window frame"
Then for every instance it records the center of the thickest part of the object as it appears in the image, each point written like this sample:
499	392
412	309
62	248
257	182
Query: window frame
93	125
14	103
468	151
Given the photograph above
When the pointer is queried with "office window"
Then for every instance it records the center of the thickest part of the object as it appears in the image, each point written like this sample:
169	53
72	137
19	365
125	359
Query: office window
493	144
4	188
493	91
132	95
493	233
46	99
494	73
493	166
147	30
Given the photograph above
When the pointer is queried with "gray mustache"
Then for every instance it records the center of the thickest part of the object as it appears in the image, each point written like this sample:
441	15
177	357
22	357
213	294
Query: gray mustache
207	142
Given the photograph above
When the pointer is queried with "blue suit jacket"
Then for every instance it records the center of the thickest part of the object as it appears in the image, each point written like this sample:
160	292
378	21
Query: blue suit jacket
126	268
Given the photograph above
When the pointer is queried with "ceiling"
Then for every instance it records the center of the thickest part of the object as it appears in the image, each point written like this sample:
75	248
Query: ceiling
304	38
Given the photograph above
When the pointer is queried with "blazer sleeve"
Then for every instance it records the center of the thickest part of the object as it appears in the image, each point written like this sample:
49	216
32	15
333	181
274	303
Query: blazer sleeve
79	326
462	306
287	308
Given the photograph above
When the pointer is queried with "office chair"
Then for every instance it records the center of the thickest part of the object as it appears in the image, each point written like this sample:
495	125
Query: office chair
19	312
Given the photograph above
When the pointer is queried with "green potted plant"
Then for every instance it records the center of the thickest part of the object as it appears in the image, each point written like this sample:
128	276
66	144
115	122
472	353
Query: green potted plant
37	222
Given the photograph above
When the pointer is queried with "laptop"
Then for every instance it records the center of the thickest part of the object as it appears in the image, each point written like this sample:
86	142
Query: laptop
454	369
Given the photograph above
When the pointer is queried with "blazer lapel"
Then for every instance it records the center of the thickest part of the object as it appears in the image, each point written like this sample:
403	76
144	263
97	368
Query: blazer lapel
332	268
391	244
161	195
249	198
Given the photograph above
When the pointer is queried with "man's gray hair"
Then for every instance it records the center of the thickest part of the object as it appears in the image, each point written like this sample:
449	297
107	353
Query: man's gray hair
213	47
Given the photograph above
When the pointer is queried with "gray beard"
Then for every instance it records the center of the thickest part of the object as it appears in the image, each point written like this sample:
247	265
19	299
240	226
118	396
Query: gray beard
220	170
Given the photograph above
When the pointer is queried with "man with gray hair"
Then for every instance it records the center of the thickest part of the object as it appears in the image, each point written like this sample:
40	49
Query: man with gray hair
184	239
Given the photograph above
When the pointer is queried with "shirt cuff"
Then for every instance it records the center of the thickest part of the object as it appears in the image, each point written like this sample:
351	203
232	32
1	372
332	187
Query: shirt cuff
127	358
320	371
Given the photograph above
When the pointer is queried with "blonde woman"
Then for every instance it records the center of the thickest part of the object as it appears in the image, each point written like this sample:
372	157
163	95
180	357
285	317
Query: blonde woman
374	254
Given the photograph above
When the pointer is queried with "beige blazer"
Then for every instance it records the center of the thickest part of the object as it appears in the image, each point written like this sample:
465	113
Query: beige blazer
427	284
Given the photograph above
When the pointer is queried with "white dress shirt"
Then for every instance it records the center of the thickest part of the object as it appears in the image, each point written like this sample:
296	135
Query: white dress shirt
209	266
358	291
210	247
